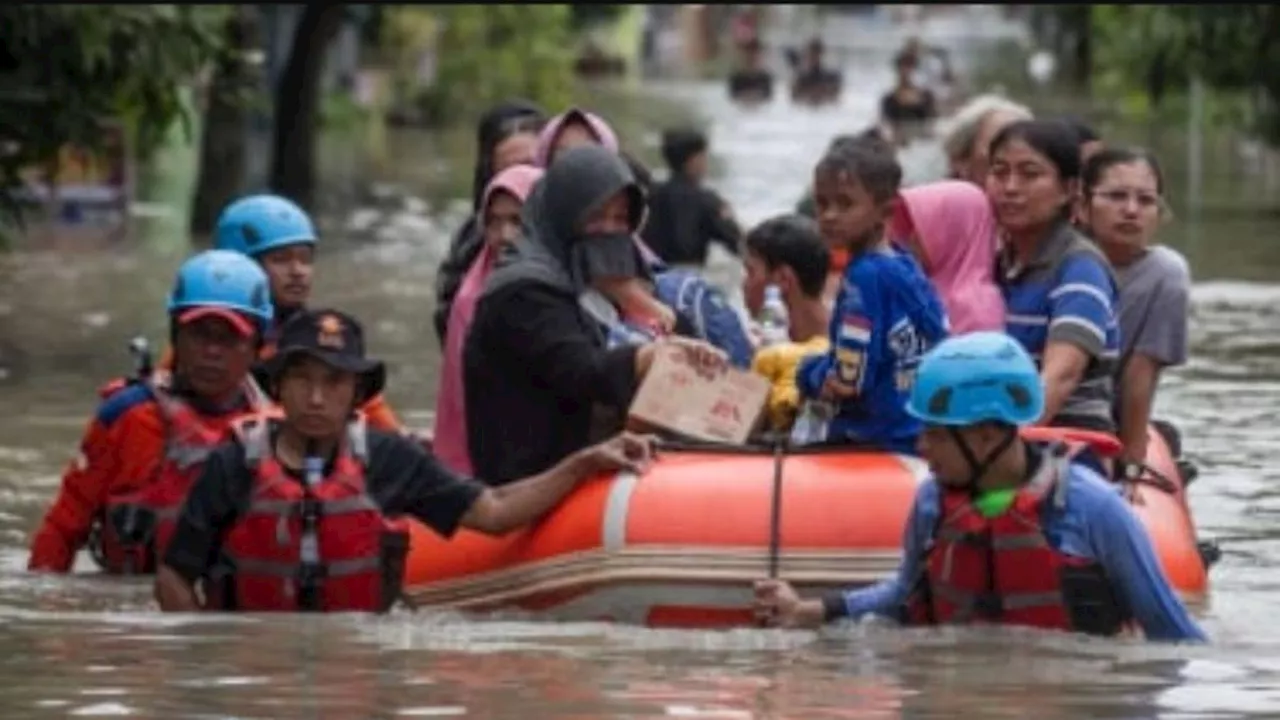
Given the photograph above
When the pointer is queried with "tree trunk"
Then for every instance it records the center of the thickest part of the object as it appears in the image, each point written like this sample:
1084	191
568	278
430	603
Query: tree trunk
1082	47
223	146
293	155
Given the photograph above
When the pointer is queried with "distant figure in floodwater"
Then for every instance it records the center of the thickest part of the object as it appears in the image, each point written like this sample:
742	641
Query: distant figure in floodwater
908	108
751	83
814	84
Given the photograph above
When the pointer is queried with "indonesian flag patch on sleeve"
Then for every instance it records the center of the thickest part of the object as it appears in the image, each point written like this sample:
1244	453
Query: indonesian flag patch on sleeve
855	328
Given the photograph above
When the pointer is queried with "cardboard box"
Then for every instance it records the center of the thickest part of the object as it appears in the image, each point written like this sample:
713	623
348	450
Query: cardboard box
720	409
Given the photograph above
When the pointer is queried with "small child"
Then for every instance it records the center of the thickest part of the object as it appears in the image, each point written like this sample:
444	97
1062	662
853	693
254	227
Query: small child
788	253
886	313
637	304
686	216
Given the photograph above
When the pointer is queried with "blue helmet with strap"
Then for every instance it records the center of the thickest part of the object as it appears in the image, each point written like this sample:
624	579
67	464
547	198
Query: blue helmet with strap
261	223
223	279
974	378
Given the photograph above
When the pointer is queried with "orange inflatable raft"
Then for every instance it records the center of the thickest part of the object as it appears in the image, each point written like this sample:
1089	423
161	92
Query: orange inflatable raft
681	545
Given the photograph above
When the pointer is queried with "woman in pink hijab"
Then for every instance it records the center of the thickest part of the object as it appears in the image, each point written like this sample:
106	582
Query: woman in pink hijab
572	128
499	215
950	228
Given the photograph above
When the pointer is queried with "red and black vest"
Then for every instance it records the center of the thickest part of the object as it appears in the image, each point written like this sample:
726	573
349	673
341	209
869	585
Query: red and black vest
319	545
1003	570
135	526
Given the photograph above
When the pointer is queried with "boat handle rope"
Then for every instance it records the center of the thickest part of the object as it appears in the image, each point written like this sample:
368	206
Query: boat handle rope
775	508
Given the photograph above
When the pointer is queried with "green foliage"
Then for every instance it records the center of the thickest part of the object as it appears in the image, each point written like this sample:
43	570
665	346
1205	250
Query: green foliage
1157	49
66	68
491	52
340	112
586	16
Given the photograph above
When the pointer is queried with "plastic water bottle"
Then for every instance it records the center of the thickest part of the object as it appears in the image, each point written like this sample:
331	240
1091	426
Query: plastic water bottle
812	422
773	318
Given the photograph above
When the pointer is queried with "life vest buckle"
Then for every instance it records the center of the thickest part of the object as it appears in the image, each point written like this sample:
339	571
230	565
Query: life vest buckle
989	606
311	574
133	525
310	510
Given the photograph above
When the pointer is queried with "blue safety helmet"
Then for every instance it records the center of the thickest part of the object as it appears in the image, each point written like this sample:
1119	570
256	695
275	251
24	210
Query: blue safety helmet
260	223
223	279
974	378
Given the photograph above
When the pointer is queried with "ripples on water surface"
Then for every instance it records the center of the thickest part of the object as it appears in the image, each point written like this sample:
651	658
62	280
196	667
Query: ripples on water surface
88	646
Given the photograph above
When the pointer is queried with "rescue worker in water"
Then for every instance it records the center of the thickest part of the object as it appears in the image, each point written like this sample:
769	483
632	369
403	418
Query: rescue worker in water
280	236
149	437
1007	532
291	514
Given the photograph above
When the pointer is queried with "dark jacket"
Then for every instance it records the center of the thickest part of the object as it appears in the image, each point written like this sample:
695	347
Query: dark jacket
684	219
535	364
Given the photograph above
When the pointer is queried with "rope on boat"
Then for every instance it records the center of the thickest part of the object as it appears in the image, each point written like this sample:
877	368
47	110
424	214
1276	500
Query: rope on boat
775	507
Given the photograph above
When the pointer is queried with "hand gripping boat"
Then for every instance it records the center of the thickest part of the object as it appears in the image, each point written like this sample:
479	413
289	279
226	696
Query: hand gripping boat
680	546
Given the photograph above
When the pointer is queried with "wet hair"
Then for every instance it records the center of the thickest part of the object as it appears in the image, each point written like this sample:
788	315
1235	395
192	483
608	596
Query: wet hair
1108	158
839	140
875	133
958	141
793	241
1053	139
872	162
679	145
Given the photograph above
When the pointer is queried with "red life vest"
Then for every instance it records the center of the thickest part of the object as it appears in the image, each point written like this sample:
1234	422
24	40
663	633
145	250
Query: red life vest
321	545
136	526
1003	569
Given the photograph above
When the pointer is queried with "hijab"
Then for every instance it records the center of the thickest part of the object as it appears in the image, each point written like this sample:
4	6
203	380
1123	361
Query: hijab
451	417
957	233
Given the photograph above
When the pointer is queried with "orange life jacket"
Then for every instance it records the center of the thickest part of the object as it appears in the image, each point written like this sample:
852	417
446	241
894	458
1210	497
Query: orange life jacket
320	545
136	526
1004	570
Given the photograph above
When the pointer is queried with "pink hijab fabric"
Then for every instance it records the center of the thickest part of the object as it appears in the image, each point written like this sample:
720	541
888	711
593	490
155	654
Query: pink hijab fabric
957	230
551	131
450	442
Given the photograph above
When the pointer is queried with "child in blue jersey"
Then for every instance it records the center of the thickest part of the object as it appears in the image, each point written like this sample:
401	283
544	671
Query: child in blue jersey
886	314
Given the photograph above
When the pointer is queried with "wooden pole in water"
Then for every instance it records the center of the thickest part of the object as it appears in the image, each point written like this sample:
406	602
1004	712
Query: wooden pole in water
1195	142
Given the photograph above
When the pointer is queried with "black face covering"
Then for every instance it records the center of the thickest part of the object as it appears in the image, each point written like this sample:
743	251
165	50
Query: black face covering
611	255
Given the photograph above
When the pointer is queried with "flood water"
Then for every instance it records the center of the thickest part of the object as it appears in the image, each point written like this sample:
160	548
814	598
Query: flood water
87	646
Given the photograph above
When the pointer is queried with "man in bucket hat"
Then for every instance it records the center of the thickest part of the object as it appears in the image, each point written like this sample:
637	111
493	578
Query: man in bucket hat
292	515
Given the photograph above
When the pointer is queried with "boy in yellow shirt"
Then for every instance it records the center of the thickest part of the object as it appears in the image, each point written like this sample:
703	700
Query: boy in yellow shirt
788	252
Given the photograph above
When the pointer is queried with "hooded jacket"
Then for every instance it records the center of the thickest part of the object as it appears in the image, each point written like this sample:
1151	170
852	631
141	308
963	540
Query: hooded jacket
535	363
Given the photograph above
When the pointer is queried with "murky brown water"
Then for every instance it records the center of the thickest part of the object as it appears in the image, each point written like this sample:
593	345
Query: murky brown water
84	645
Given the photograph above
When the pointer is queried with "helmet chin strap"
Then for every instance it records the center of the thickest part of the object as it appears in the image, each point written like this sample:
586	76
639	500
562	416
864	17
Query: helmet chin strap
979	468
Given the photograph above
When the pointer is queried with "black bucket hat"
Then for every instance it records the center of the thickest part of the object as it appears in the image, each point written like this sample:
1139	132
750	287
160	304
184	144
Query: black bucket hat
332	337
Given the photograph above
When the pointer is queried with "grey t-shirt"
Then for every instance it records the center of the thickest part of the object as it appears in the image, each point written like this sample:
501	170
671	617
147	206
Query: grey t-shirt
1158	286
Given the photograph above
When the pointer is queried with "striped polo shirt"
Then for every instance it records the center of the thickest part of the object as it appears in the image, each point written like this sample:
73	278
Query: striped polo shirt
1068	294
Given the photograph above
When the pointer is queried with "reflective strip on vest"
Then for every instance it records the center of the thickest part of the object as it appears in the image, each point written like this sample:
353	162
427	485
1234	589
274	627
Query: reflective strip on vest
356	503
337	568
187	456
1030	541
967	603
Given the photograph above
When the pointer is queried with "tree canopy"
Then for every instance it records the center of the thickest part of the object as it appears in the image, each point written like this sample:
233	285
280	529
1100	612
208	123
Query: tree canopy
1159	48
